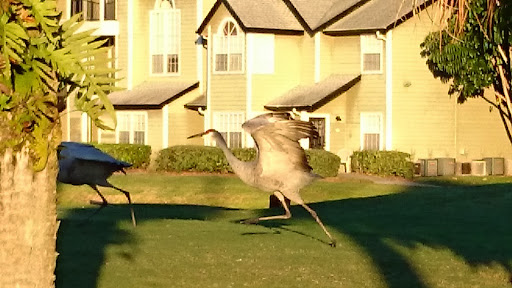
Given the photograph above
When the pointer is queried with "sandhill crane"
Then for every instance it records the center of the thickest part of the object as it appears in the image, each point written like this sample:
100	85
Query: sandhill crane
280	166
81	164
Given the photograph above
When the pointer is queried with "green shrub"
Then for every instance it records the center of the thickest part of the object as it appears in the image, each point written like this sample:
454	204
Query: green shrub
324	163
212	159
138	155
384	163
192	158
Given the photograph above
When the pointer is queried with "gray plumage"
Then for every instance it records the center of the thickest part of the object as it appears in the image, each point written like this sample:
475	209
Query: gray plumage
280	165
83	164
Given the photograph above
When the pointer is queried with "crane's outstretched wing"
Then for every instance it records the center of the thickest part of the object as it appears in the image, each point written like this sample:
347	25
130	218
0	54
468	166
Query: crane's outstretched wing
277	138
88	152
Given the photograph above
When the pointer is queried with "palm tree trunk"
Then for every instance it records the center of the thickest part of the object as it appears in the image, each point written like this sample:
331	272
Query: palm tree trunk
28	221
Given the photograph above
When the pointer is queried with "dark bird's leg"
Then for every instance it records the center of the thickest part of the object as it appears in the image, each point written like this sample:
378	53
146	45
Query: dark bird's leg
127	194
287	214
313	213
102	204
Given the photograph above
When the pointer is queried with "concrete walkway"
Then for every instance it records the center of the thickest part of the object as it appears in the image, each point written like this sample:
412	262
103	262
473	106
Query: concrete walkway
390	180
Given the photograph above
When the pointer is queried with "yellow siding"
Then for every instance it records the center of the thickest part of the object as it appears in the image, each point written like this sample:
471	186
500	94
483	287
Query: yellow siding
184	122
266	87
480	132
140	57
345	55
228	91
122	44
307	60
155	129
326	56
423	114
188	62
62	6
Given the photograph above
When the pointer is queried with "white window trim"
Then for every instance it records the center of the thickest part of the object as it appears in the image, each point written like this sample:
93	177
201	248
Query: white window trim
241	114
363	51
240	33
381	128
131	114
179	52
327	118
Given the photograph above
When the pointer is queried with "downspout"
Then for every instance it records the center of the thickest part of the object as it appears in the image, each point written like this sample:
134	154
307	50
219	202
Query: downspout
389	86
208	115
129	68
248	97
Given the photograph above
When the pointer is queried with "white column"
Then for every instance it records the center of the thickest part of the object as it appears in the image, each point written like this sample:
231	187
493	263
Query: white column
317	57
165	126
389	90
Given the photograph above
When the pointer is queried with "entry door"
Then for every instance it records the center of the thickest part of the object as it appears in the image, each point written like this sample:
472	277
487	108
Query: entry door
318	143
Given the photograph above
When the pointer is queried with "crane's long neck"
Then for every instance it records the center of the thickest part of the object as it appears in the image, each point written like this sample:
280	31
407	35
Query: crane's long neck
239	167
221	143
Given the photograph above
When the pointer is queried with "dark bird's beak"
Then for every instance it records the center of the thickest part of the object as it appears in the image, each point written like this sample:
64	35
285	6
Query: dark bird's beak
196	135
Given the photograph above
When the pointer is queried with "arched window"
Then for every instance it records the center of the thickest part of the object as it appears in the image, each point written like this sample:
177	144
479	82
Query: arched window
165	38
229	48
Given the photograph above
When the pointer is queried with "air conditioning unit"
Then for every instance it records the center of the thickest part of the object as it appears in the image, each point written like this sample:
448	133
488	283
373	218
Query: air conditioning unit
478	168
466	168
445	166
462	168
495	166
428	167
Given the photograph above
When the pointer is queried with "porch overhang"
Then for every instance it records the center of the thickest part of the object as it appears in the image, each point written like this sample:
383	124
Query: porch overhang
151	94
310	98
197	103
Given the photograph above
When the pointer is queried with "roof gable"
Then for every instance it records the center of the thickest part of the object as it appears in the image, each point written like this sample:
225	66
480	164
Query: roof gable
258	16
376	15
330	16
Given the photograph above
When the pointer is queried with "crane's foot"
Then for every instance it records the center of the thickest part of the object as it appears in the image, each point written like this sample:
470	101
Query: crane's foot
100	203
250	221
333	243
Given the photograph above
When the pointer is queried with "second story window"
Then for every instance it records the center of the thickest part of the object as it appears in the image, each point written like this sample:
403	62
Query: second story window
165	40
229	48
91	9
371	54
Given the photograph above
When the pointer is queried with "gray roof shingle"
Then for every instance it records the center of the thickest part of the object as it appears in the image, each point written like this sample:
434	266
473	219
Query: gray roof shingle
318	13
311	97
152	94
199	102
375	15
265	14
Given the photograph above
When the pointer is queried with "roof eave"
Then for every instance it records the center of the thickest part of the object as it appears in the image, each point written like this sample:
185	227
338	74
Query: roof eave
275	31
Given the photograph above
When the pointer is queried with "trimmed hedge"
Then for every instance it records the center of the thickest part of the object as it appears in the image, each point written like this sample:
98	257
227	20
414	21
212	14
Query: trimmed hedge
324	163
384	163
138	155
212	159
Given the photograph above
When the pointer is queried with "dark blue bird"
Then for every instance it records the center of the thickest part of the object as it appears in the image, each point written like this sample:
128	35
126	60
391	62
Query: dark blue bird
81	164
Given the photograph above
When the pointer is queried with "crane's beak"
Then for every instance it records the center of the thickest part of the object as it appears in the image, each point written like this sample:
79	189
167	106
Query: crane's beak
196	135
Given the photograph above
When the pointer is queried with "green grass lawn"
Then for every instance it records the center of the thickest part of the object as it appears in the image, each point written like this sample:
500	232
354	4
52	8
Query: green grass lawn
458	234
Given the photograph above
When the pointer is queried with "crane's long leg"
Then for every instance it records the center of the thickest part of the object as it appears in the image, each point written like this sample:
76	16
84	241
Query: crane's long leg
127	194
102	204
313	213
287	214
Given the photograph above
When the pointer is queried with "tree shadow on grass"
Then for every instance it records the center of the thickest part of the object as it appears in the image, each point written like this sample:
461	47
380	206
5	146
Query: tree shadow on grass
473	222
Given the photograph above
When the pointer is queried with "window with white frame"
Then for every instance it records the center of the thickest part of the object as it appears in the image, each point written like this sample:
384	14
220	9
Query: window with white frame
131	127
229	124
229	45
165	39
371	131
371	54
